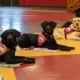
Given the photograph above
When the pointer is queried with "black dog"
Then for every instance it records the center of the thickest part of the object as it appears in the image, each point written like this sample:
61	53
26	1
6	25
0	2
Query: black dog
8	47
67	24
43	40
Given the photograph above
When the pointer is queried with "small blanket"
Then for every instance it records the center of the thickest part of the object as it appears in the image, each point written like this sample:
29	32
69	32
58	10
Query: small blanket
1	77
41	49
10	65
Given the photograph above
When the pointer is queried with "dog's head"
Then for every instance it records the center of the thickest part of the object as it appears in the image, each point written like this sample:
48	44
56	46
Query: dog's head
78	14
9	37
76	23
48	27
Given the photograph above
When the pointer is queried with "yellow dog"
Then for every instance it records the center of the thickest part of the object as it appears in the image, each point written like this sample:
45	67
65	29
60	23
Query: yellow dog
71	32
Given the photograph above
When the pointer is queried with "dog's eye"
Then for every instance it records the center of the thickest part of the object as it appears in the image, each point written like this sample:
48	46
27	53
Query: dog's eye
75	27
11	32
75	21
79	20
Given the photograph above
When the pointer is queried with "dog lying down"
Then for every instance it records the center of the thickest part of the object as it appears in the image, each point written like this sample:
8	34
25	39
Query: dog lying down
70	30
8	45
43	40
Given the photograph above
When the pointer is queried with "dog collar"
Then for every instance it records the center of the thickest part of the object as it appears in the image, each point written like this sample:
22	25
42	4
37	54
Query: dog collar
41	39
3	49
68	30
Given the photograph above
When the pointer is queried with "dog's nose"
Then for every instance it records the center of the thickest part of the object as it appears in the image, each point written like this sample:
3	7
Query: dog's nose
9	36
76	24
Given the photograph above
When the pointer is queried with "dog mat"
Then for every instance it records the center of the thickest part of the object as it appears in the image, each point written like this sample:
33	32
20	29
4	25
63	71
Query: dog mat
9	65
1	77
41	49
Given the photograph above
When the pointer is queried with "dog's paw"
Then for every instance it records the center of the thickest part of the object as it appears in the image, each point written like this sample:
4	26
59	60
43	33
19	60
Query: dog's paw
29	60
72	48
67	49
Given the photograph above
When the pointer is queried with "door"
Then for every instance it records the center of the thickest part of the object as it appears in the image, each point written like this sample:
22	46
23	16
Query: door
15	2
9	2
5	2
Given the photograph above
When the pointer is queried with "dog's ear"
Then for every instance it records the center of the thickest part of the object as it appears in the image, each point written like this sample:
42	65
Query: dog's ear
44	24
72	20
78	14
52	24
16	32
3	34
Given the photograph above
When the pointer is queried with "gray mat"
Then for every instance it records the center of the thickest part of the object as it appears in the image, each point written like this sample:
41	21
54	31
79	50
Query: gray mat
9	65
1	77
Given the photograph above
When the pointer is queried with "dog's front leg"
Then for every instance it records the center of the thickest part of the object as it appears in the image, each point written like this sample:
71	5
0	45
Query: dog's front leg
73	36
65	48
10	58
77	38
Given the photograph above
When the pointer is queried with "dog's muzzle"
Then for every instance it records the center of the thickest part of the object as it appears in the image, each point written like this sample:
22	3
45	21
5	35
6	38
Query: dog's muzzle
49	31
11	40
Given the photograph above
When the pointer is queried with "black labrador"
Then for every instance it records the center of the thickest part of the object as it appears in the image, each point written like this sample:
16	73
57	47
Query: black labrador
68	23
43	40
8	45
